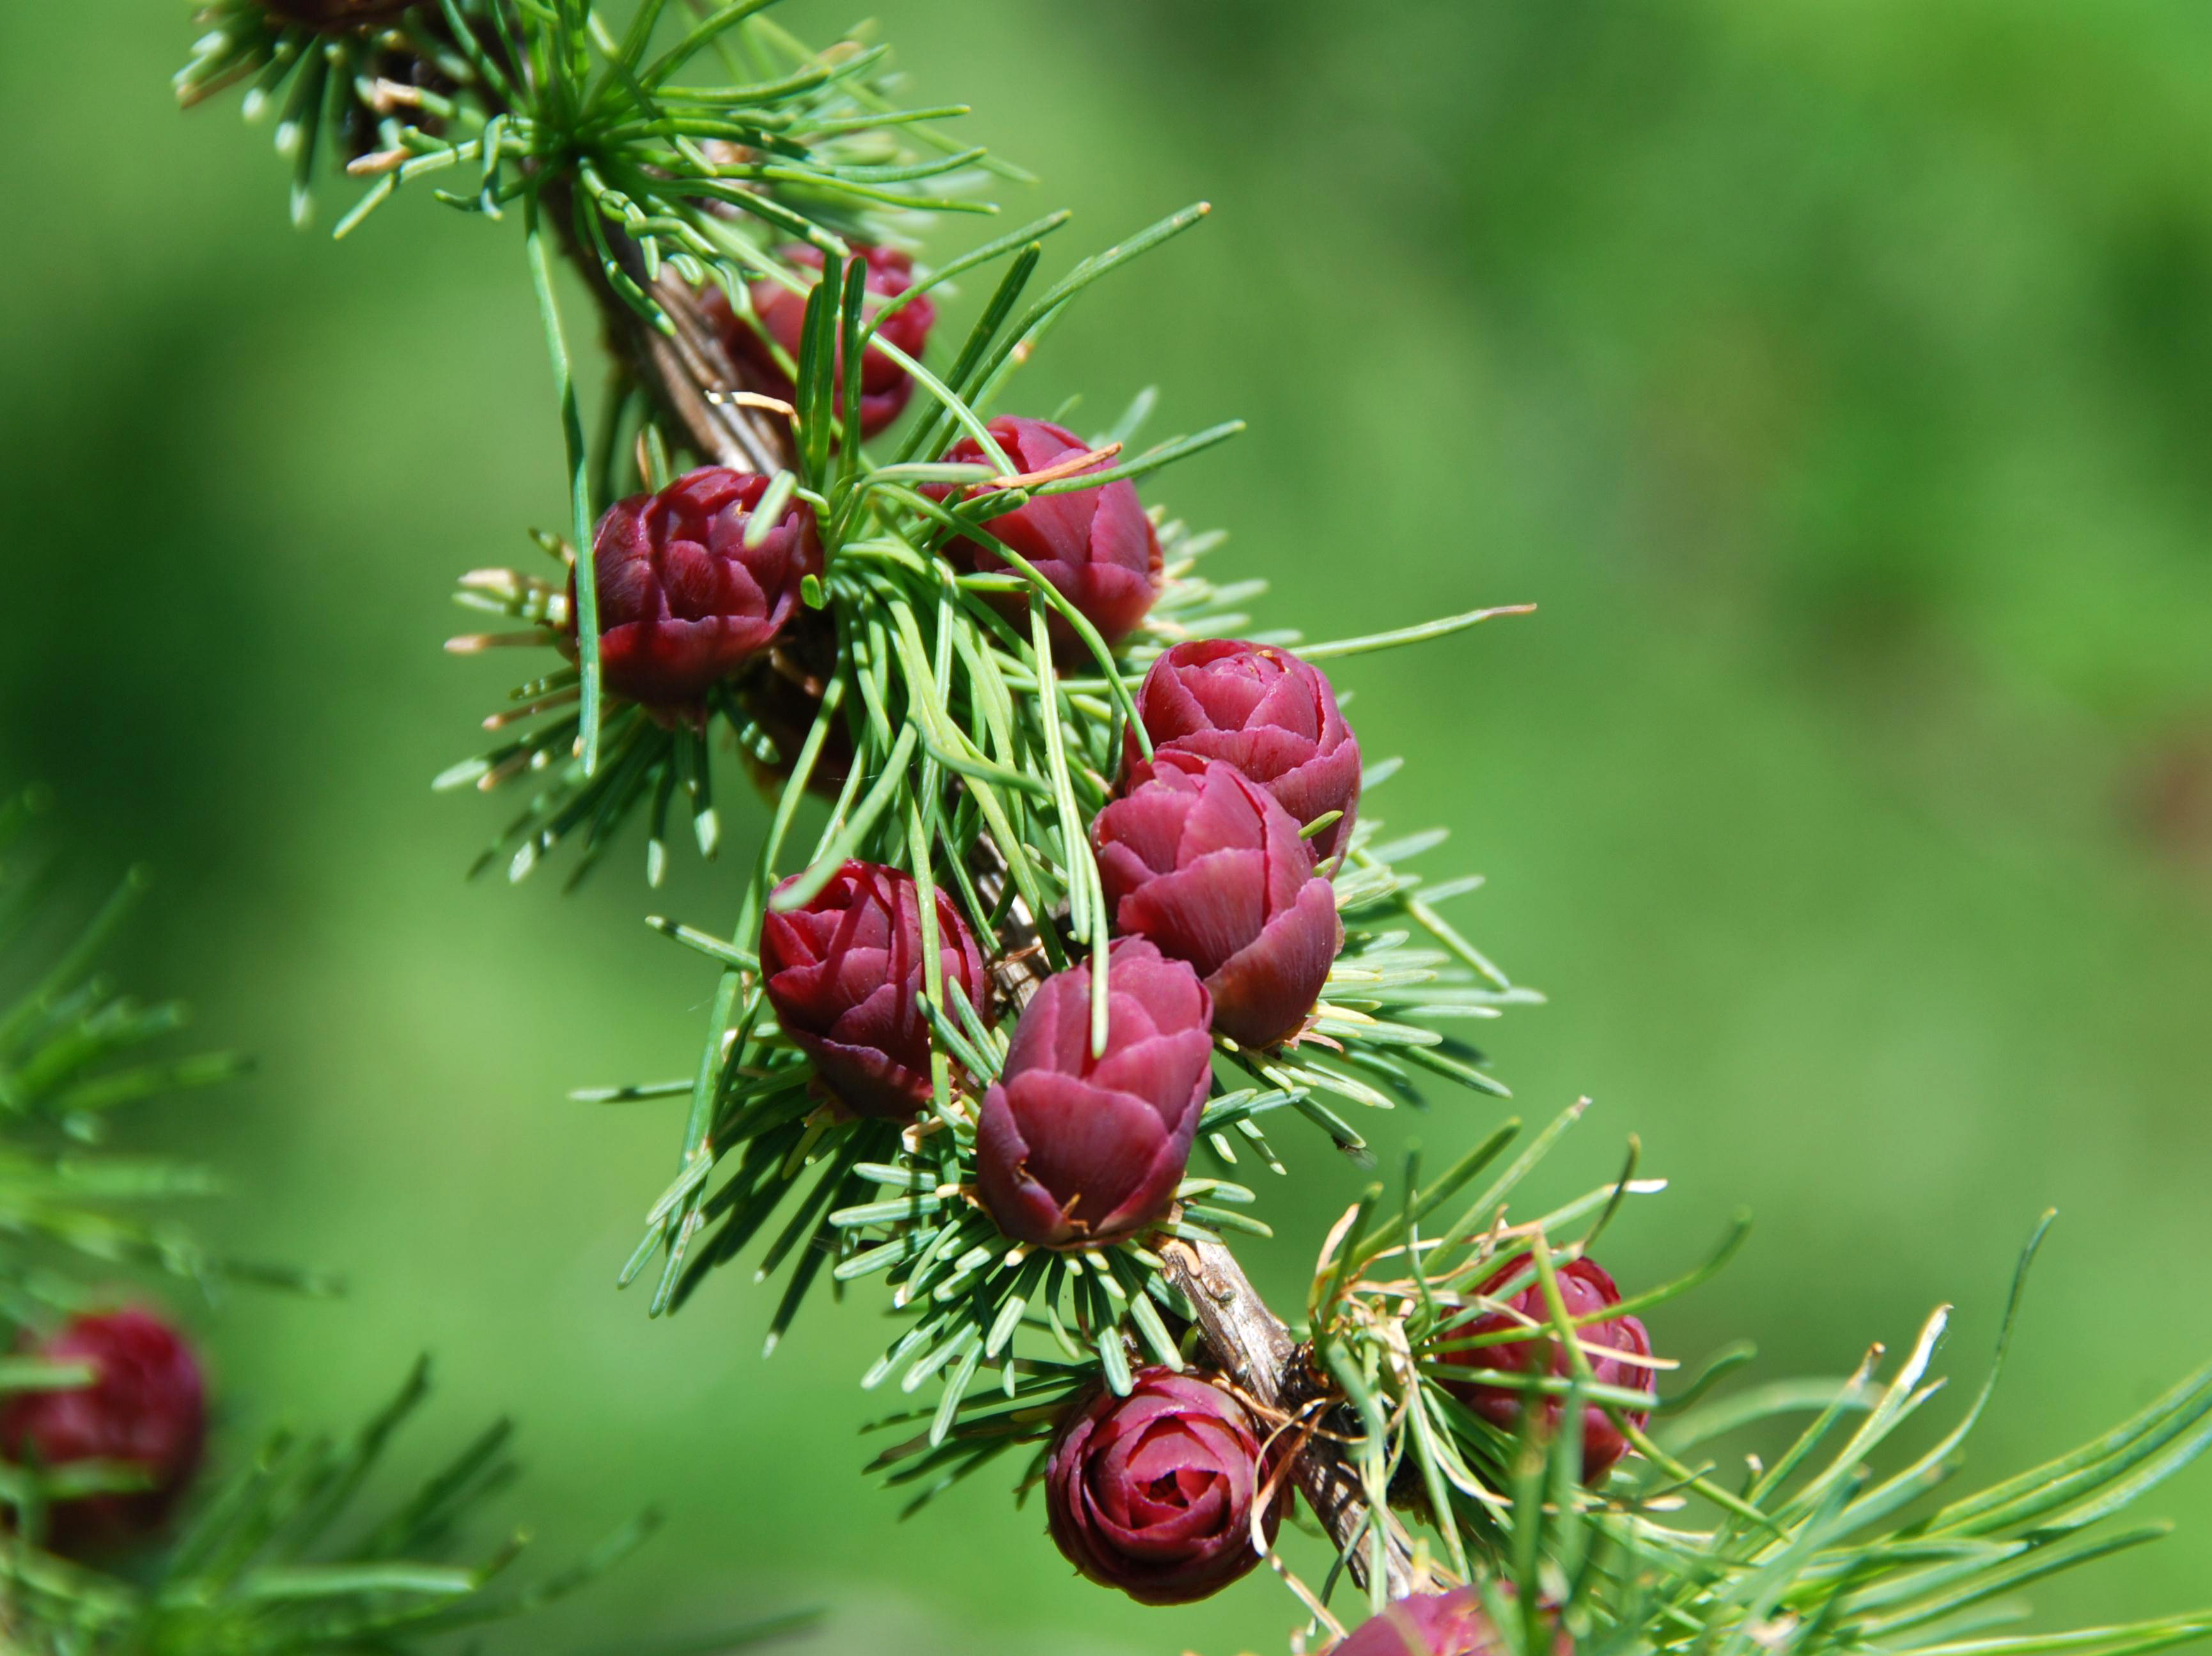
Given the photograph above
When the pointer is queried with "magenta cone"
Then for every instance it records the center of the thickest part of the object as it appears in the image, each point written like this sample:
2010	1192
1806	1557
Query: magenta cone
146	1408
1074	1149
1154	1493
1096	546
683	599
884	386
1262	710
1209	867
1585	1289
845	974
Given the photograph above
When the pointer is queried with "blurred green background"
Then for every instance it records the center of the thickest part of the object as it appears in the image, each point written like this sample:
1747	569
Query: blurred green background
1837	377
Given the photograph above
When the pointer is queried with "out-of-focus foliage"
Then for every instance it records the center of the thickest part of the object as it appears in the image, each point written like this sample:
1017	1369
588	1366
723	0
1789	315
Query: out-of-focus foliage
277	1558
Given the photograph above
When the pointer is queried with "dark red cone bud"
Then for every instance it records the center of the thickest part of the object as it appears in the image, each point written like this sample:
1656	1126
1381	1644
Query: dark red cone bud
1073	1149
845	974
683	599
1153	1493
1095	545
1451	1623
1585	1289
1208	866
146	1408
1262	710
884	386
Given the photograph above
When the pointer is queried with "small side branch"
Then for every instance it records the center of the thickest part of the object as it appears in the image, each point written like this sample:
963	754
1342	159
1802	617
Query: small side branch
1246	1340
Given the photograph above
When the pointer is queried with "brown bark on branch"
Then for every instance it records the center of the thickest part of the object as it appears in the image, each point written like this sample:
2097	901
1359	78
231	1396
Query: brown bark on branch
680	371
1250	1344
688	375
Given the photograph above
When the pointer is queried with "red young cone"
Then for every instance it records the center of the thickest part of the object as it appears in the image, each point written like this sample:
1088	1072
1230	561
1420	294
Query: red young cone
1072	1150
1586	1288
1096	546
146	1408
846	974
1451	1623
1153	1493
1209	867
884	386
1262	710
683	599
